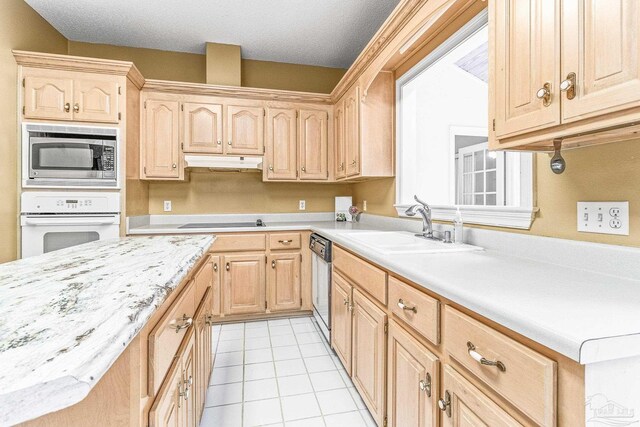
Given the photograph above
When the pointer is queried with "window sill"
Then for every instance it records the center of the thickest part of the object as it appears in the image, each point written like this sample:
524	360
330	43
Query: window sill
497	216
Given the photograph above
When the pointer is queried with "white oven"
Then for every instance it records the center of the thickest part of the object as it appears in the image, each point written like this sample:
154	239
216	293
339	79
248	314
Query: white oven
54	220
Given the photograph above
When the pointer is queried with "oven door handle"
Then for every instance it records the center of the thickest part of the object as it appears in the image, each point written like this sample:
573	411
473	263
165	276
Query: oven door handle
71	221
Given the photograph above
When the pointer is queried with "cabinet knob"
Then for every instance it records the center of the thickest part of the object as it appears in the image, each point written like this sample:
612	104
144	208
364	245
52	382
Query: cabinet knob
304	169
270	167
67	107
215	267
230	143
568	85
353	163
228	267
174	166
425	385
445	404
219	142
273	264
76	107
544	93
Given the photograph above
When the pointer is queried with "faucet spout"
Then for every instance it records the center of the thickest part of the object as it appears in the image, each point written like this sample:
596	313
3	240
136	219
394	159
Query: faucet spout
425	211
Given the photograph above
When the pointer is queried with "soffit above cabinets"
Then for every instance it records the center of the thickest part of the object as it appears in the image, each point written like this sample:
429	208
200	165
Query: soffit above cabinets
328	33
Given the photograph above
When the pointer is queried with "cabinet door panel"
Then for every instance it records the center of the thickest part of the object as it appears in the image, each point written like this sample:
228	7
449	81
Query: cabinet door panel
352	131
469	407
284	282
95	100
601	45
202	128
340	149
245	127
412	381
281	150
341	294
368	359
244	284
203	354
161	141
215	296
527	56
314	162
48	98
189	382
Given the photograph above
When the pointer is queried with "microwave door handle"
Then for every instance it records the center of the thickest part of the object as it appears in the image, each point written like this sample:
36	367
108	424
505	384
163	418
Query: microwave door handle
70	221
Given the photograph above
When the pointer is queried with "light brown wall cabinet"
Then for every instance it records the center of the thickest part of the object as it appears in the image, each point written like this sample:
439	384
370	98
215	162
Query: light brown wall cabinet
245	130
202	128
70	96
364	131
563	70
161	155
297	147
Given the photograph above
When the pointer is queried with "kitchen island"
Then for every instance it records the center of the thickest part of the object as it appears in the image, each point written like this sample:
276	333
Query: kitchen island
66	317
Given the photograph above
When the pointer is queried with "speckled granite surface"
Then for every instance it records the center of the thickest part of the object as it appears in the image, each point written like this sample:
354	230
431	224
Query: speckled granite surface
66	316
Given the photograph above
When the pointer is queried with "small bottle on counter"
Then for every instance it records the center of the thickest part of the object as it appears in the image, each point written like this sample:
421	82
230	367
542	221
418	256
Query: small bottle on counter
458	228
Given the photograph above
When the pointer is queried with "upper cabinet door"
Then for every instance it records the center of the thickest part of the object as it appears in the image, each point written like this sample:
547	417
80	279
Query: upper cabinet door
412	378
95	100
48	98
339	155
202	127
245	130
314	162
600	56
352	131
281	152
161	140
526	65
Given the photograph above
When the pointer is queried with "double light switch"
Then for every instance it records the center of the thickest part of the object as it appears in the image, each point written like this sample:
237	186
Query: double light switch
604	217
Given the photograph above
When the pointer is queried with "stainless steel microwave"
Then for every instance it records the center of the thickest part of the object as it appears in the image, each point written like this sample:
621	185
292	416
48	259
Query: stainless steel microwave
63	157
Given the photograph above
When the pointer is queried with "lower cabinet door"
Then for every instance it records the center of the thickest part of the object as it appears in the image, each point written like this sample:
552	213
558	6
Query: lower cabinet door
341	293
189	381
168	408
368	358
244	284
465	405
412	381
283	282
203	354
215	297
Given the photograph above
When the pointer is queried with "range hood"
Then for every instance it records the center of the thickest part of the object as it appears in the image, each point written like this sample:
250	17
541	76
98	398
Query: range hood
222	162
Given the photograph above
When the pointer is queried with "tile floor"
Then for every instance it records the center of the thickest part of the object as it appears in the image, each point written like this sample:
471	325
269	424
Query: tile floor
279	373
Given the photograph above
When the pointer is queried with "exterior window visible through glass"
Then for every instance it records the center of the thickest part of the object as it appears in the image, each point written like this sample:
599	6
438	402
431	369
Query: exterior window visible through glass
443	118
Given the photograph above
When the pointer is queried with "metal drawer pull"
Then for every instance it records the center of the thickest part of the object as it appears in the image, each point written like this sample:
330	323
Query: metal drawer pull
482	360
403	306
188	321
285	242
425	385
445	404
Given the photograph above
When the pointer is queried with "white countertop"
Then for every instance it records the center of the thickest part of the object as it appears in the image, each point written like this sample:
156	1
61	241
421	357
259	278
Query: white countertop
585	315
66	316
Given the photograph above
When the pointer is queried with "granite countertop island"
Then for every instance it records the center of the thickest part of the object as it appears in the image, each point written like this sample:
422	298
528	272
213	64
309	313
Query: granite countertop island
66	316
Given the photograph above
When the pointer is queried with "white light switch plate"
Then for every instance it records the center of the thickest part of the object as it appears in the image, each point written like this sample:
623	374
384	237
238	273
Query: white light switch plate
604	217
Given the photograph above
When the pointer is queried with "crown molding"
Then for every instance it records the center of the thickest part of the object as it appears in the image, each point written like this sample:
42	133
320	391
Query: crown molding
80	64
236	92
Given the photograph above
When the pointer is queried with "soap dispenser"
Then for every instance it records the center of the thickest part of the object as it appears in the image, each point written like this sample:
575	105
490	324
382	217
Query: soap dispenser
458	226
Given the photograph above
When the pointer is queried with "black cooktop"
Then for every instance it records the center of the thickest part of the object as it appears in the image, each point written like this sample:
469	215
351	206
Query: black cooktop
222	224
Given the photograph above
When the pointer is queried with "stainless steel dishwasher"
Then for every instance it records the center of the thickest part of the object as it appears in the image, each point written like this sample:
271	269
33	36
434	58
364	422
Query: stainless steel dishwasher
321	282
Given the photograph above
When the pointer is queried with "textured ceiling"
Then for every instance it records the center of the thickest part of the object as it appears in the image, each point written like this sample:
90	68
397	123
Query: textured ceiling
316	32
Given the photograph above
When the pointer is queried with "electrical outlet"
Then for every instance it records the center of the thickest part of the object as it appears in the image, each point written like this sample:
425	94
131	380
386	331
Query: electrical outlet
603	217
302	205
167	205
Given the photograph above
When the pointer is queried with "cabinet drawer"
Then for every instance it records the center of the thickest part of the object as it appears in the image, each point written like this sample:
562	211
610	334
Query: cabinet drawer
420	311
240	242
284	241
167	335
366	276
523	377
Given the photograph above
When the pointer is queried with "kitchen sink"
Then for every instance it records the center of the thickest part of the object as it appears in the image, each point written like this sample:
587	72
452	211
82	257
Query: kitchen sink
401	242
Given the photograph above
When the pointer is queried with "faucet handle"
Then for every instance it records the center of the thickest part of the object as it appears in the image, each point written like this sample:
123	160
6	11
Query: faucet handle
415	197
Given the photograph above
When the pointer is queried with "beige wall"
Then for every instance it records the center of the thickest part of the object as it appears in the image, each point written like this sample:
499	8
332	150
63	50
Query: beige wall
20	28
190	67
241	192
609	172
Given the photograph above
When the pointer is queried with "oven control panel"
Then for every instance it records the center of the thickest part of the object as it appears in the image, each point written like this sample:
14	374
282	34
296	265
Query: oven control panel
68	202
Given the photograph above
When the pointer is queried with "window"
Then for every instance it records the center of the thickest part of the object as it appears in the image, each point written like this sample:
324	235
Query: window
443	157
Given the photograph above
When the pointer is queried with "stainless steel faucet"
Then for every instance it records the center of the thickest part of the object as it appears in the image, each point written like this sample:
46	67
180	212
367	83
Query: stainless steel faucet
423	209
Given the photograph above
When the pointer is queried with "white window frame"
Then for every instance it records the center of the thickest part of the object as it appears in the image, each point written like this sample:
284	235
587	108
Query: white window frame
520	217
